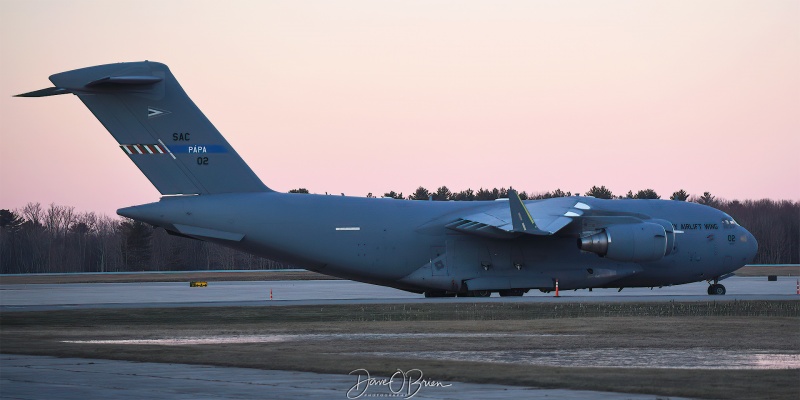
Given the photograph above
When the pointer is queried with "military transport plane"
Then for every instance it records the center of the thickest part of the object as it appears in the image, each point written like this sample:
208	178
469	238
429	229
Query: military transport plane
464	248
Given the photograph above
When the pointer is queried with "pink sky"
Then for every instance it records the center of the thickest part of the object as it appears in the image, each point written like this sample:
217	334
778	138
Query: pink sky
372	96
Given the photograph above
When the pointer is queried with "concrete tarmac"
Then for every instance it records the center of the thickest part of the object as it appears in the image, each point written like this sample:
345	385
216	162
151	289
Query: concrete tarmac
40	377
36	297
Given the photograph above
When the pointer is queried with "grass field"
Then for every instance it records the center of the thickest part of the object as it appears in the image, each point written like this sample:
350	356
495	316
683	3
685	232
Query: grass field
770	326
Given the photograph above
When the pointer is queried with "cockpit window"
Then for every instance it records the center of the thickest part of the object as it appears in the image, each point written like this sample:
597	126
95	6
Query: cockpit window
728	223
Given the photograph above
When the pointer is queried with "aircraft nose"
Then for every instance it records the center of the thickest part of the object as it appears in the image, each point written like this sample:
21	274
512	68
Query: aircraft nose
751	246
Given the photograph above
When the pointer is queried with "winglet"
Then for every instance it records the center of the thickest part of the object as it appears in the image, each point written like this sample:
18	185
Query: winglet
521	219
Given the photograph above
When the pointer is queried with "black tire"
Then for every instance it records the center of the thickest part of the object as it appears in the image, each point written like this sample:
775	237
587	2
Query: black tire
439	293
719	290
716	290
511	292
710	291
481	293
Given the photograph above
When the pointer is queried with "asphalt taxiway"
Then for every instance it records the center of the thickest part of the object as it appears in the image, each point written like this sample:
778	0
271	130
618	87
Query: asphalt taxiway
40	297
40	377
28	377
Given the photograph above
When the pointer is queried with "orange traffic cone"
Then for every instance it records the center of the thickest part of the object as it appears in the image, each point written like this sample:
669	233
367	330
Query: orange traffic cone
556	287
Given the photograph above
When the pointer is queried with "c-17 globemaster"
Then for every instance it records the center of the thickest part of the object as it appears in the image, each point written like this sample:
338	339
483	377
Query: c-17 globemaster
465	248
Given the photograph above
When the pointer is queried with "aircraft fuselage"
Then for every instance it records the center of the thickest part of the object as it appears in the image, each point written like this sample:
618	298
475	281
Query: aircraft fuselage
405	244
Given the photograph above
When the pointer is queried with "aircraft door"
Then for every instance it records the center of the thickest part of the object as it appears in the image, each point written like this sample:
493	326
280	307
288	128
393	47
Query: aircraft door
438	260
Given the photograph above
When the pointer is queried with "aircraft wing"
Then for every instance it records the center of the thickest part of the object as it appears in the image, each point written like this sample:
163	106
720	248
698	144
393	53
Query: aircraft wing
513	218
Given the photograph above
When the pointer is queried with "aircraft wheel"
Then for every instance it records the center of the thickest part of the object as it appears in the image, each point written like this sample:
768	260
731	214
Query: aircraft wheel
481	293
511	292
439	293
716	290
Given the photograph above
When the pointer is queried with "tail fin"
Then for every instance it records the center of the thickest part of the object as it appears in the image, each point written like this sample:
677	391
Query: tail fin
158	127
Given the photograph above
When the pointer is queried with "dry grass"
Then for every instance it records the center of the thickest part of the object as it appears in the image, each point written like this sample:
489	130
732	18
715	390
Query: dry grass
622	326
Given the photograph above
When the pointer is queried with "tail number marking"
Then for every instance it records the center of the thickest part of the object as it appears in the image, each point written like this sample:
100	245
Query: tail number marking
198	149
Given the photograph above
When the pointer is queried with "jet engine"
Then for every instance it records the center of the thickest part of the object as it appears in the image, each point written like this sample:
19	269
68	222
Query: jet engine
640	242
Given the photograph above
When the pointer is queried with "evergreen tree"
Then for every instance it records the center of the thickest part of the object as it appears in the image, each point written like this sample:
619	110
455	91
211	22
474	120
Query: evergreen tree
464	195
558	193
394	195
485	194
420	194
502	193
600	192
646	194
707	199
680	195
442	194
300	190
10	221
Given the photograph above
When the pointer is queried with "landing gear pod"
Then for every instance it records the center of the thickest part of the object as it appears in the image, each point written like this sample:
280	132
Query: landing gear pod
640	242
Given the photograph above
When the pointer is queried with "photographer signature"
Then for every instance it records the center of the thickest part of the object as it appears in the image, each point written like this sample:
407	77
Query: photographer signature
403	384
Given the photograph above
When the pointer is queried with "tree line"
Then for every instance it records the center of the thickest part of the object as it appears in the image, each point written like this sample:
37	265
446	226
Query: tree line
37	239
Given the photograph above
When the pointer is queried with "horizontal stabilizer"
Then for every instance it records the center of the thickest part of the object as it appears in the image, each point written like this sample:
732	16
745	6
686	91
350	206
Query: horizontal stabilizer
52	91
208	233
107	82
125	80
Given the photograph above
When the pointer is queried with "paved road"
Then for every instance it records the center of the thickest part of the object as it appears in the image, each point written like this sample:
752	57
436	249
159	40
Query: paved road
176	294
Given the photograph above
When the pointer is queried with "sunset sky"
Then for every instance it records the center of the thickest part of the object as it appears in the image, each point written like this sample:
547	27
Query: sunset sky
373	96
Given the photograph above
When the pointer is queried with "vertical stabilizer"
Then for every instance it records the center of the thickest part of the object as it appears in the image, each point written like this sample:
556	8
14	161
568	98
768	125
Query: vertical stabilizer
158	127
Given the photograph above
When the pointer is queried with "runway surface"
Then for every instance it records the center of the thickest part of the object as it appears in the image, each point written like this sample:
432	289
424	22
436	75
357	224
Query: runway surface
39	377
24	297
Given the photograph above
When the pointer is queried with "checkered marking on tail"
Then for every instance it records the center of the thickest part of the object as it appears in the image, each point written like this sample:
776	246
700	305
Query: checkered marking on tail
135	149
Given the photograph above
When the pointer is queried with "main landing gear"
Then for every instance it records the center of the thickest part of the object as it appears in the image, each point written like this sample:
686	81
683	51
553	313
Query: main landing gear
716	289
441	293
476	293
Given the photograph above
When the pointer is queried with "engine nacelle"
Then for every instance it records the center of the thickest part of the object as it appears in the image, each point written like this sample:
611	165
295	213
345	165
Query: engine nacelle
670	231
640	242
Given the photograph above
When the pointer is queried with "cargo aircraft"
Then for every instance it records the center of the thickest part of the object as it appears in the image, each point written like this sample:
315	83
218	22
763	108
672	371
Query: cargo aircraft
439	248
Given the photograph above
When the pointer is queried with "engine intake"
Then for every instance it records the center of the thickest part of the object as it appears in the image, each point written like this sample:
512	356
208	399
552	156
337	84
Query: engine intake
640	242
